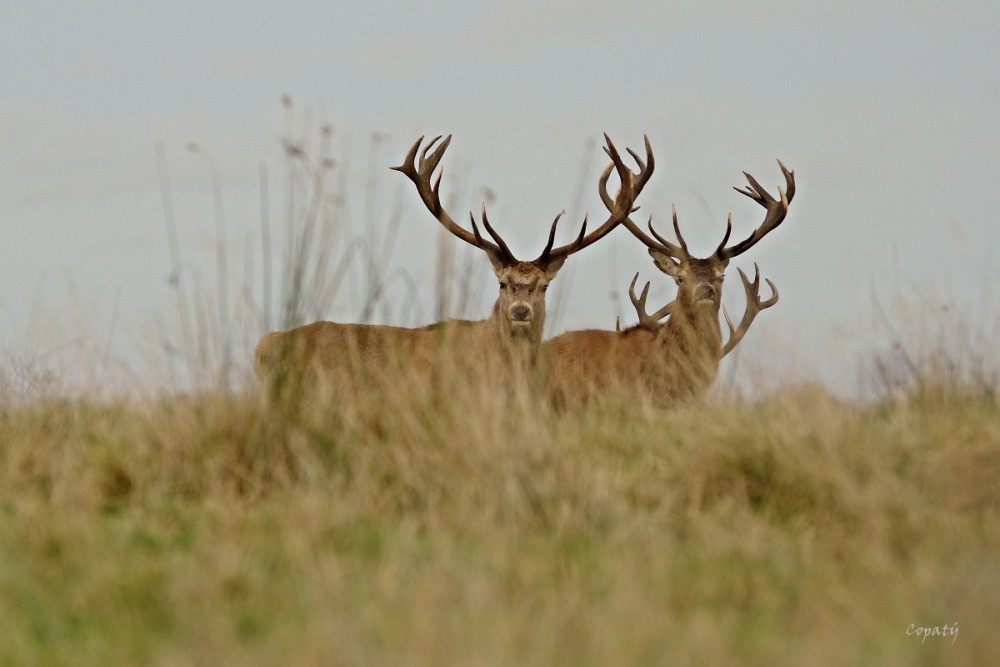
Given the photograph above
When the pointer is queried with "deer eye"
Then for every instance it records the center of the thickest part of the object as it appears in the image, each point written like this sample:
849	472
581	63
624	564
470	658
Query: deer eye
679	280
503	285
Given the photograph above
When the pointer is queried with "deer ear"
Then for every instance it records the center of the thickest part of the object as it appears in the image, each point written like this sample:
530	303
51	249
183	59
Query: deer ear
552	268
665	262
496	259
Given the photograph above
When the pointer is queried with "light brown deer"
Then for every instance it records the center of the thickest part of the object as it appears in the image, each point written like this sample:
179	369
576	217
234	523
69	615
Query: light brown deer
508	339
674	361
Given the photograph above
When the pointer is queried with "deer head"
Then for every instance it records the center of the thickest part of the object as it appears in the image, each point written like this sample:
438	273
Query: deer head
699	280
520	306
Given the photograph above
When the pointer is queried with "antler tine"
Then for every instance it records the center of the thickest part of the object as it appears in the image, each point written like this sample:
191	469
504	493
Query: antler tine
645	167
428	165
732	329
602	186
789	179
496	237
502	252
552	234
646	320
777	209
677	229
640	302
408	162
753	288
754	306
720	251
663	312
679	253
620	207
421	170
635	156
437	155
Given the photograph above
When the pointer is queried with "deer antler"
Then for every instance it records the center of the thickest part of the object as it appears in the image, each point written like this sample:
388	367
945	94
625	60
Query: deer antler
620	207
421	172
777	209
657	242
647	321
754	306
640	178
420	169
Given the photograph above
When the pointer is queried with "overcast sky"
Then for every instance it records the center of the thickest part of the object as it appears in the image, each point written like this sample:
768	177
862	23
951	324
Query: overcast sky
887	112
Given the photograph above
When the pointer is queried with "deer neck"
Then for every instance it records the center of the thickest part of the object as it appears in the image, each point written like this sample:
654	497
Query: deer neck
694	332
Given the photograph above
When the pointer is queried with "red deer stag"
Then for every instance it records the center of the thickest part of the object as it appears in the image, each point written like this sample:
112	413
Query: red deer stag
508	340
677	360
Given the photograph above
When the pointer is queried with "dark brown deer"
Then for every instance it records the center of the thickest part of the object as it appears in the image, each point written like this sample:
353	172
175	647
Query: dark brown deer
508	339
674	361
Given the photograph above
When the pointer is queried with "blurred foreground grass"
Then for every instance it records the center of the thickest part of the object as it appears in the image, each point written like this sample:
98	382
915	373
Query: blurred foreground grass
461	528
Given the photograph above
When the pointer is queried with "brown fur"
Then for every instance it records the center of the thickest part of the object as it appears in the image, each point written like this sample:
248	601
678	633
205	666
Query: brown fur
350	353
672	363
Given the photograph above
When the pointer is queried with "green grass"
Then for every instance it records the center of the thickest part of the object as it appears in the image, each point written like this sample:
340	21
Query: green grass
467	530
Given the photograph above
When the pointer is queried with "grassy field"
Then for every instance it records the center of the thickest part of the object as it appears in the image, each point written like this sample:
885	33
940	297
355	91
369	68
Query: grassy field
458	528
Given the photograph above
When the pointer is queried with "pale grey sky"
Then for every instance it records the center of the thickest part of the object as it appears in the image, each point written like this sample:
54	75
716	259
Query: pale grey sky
886	111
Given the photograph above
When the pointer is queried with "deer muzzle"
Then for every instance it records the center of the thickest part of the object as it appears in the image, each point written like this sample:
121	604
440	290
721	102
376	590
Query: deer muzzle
705	292
520	315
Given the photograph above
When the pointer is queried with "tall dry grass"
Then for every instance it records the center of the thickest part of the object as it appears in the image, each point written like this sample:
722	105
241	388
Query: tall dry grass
453	527
456	525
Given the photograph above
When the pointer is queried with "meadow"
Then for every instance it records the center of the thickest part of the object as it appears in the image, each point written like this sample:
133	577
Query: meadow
458	526
455	527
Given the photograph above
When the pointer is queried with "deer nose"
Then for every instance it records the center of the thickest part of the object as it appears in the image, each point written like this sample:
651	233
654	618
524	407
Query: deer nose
520	312
705	291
